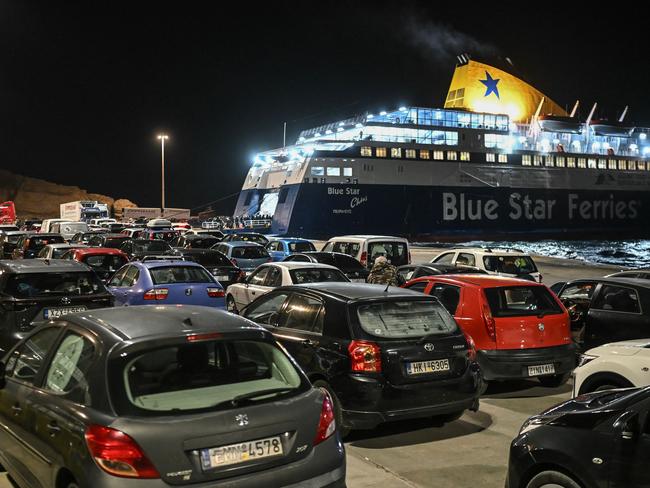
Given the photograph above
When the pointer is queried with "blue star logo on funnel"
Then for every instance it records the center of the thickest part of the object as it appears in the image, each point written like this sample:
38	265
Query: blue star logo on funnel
490	85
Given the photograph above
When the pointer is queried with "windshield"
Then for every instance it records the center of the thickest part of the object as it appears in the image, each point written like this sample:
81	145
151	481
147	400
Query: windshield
166	275
57	252
515	265
106	263
44	284
404	319
301	247
521	300
307	275
347	263
249	252
250	237
395	252
209	259
203	242
151	246
114	242
206	375
36	242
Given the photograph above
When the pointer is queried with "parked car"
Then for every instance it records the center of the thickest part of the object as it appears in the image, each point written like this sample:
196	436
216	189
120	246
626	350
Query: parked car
118	402
246	237
155	233
68	229
280	248
46	225
351	268
34	291
84	237
245	255
107	240
412	271
102	220
607	309
216	263
366	248
158	281
498	261
616	365
206	232
193	241
137	249
29	245
8	241
596	440
382	354
521	330
104	261
269	276
55	251
643	273
7	228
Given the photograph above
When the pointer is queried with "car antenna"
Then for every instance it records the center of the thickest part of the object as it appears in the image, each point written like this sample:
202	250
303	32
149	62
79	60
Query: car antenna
386	289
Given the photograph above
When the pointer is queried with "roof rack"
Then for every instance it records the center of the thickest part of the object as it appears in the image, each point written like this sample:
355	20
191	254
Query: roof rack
162	258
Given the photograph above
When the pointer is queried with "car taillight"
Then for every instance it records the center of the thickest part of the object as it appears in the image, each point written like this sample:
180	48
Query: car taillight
490	324
327	422
118	454
156	294
364	258
471	348
216	292
365	357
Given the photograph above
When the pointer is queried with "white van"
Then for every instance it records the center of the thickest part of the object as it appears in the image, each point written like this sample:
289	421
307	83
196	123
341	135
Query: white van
46	226
366	249
69	229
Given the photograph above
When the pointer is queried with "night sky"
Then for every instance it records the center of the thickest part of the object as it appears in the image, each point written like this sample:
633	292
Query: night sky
86	86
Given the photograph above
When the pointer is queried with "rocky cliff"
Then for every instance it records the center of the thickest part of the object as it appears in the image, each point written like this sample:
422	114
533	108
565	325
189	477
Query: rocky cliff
40	198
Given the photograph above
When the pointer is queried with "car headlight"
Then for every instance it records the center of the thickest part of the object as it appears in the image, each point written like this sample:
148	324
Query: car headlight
531	424
584	359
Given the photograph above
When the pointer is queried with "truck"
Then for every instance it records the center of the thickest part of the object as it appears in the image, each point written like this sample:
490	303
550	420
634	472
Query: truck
7	213
83	211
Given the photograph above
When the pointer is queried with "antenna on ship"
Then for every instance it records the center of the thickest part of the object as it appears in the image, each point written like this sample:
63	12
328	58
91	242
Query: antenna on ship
533	130
284	137
575	109
591	114
623	114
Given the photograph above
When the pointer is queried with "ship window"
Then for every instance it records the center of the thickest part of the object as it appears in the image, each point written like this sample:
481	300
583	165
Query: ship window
503	158
249	197
537	160
439	155
548	160
451	95
525	159
411	154
571	162
332	171
591	163
380	152
317	171
641	165
366	151
347	171
452	155
611	164
559	161
631	165
425	154
489	157
622	164
464	156
602	163
283	195
395	152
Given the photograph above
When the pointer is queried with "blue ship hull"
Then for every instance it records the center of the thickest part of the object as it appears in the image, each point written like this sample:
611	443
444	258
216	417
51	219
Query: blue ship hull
453	213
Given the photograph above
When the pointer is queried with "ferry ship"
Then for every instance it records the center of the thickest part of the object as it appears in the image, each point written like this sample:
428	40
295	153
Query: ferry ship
500	160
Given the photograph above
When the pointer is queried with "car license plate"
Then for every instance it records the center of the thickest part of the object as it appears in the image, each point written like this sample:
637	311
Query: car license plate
223	278
421	367
54	313
242	452
541	369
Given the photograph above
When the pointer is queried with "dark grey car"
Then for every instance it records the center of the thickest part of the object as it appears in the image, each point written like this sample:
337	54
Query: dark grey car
153	396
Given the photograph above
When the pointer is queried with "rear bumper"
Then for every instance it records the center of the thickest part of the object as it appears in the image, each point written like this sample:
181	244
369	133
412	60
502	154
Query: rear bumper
511	364
367	402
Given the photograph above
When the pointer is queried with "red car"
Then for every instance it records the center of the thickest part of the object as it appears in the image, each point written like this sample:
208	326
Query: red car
105	261
520	328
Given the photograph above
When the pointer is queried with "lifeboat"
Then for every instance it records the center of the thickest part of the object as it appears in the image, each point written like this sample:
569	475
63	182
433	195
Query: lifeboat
606	127
557	123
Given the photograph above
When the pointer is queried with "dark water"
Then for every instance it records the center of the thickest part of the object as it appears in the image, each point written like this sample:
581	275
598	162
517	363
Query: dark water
626	253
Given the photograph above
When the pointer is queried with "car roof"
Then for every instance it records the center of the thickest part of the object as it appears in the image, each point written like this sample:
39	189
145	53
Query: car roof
92	251
42	265
300	265
135	322
60	245
366	237
114	235
355	291
484	281
638	282
158	263
241	243
488	250
289	239
45	234
199	236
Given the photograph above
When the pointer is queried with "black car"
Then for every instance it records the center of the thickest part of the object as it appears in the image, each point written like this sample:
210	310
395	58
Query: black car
205	232
137	249
162	396
643	273
597	440
8	241
246	237
84	237
383	354
606	310
351	268
193	241
412	271
216	263
29	245
35	291
108	240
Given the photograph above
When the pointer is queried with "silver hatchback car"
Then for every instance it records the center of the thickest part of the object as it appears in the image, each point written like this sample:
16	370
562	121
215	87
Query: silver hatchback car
162	395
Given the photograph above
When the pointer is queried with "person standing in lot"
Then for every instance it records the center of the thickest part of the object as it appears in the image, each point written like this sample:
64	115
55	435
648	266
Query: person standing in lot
384	273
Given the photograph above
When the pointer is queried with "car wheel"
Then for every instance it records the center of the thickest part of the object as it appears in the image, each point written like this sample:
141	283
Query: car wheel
338	414
231	305
603	384
553	381
72	484
552	479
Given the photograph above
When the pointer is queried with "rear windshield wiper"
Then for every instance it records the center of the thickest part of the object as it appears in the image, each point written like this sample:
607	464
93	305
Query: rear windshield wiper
254	394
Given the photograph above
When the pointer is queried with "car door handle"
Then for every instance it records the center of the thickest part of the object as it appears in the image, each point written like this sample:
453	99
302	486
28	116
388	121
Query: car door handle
16	409
53	428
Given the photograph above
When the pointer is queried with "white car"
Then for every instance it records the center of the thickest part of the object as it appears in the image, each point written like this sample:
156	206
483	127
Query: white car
366	248
496	261
55	251
616	365
269	276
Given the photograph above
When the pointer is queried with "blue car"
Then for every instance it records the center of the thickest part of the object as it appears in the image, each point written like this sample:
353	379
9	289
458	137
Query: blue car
245	255
286	246
166	282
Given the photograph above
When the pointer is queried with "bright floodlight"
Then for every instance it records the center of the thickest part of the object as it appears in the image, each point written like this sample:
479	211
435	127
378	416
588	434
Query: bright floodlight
163	136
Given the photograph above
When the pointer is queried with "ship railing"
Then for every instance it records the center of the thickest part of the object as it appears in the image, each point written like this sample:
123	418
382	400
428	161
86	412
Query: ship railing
257	223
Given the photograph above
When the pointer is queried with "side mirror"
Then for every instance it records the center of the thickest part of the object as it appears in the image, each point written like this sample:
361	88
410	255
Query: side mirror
2	375
628	425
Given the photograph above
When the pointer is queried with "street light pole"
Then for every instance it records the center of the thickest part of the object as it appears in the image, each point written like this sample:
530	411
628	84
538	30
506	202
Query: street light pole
162	138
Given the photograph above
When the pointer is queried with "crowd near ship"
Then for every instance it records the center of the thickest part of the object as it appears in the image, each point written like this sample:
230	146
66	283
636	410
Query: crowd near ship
501	158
